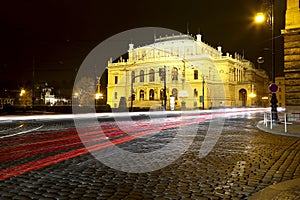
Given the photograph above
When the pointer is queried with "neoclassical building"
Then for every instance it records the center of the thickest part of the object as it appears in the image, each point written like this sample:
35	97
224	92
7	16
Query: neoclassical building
180	71
291	35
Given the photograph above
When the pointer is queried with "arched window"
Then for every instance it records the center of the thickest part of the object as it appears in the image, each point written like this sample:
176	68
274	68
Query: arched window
243	96
142	76
195	74
161	94
133	76
151	76
151	94
142	94
175	93
174	74
195	92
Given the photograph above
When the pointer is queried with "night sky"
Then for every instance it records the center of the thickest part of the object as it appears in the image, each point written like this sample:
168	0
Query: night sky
54	36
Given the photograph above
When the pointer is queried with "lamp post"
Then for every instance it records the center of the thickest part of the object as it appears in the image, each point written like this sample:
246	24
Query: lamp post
273	88
165	88
202	99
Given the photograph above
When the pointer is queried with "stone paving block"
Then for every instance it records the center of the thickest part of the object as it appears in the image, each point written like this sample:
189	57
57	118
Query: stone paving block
189	177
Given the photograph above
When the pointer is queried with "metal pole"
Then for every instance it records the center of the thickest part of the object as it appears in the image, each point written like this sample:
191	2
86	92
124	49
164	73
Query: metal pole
165	88
203	82
274	100
285	123
131	89
271	120
33	81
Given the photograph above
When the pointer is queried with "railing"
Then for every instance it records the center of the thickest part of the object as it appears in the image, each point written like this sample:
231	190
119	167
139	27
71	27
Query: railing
285	118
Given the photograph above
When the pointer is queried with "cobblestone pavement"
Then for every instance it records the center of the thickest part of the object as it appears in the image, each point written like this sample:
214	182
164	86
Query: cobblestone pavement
244	161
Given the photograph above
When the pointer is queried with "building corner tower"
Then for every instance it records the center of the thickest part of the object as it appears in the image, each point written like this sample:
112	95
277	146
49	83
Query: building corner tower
291	35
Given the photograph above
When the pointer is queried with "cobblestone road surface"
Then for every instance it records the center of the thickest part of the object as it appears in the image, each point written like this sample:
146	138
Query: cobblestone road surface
244	161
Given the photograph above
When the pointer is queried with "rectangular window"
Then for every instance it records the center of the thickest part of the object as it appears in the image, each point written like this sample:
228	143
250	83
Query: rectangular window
195	74
116	79
116	95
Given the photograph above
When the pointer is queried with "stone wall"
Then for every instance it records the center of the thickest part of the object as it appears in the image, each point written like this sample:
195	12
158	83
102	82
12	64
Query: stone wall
292	67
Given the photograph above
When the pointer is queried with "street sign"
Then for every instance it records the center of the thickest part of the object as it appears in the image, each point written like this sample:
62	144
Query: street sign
273	88
183	94
201	99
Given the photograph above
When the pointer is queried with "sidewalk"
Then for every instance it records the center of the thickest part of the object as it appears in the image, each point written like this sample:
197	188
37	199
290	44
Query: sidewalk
286	190
293	128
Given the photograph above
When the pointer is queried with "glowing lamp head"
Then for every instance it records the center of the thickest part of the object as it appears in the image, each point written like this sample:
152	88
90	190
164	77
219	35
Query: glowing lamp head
22	92
252	95
260	17
99	96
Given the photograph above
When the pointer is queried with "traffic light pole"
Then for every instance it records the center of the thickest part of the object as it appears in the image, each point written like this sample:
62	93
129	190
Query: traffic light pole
132	93
203	82
274	100
165	88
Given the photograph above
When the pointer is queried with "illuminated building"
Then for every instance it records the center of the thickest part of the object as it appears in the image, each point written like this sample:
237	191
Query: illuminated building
280	81
291	35
193	68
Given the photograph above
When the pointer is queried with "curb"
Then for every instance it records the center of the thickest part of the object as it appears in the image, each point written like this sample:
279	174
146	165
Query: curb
262	127
285	190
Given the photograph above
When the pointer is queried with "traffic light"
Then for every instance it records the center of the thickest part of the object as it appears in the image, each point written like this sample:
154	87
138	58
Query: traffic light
133	97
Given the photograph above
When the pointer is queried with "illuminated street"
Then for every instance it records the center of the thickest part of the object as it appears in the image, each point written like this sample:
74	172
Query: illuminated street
45	159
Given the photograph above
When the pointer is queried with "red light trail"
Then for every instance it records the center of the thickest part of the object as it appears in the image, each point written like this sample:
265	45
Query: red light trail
95	138
54	142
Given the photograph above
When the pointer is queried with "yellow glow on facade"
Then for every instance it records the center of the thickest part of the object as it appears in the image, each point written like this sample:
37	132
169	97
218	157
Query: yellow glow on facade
142	74
252	95
260	17
98	96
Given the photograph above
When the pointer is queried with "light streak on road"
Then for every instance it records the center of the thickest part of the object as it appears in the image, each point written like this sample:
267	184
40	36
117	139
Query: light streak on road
21	132
114	136
100	137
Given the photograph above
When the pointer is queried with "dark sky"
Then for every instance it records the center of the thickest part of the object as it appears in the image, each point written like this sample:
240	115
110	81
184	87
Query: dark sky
55	36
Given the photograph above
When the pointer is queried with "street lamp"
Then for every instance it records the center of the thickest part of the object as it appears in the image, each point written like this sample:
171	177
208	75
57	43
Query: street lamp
259	18
98	96
202	97
22	92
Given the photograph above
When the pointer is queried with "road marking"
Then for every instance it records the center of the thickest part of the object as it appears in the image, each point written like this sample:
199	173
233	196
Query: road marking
12	128
22	132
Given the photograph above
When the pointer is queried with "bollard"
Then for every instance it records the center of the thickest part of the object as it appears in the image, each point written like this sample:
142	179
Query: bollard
285	123
271	121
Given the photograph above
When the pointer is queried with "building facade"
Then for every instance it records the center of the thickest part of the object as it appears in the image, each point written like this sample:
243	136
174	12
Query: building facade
280	81
291	35
181	71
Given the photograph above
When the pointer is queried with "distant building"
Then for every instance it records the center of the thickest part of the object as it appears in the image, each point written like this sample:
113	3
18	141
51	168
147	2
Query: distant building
6	101
47	95
280	81
6	98
291	35
194	74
